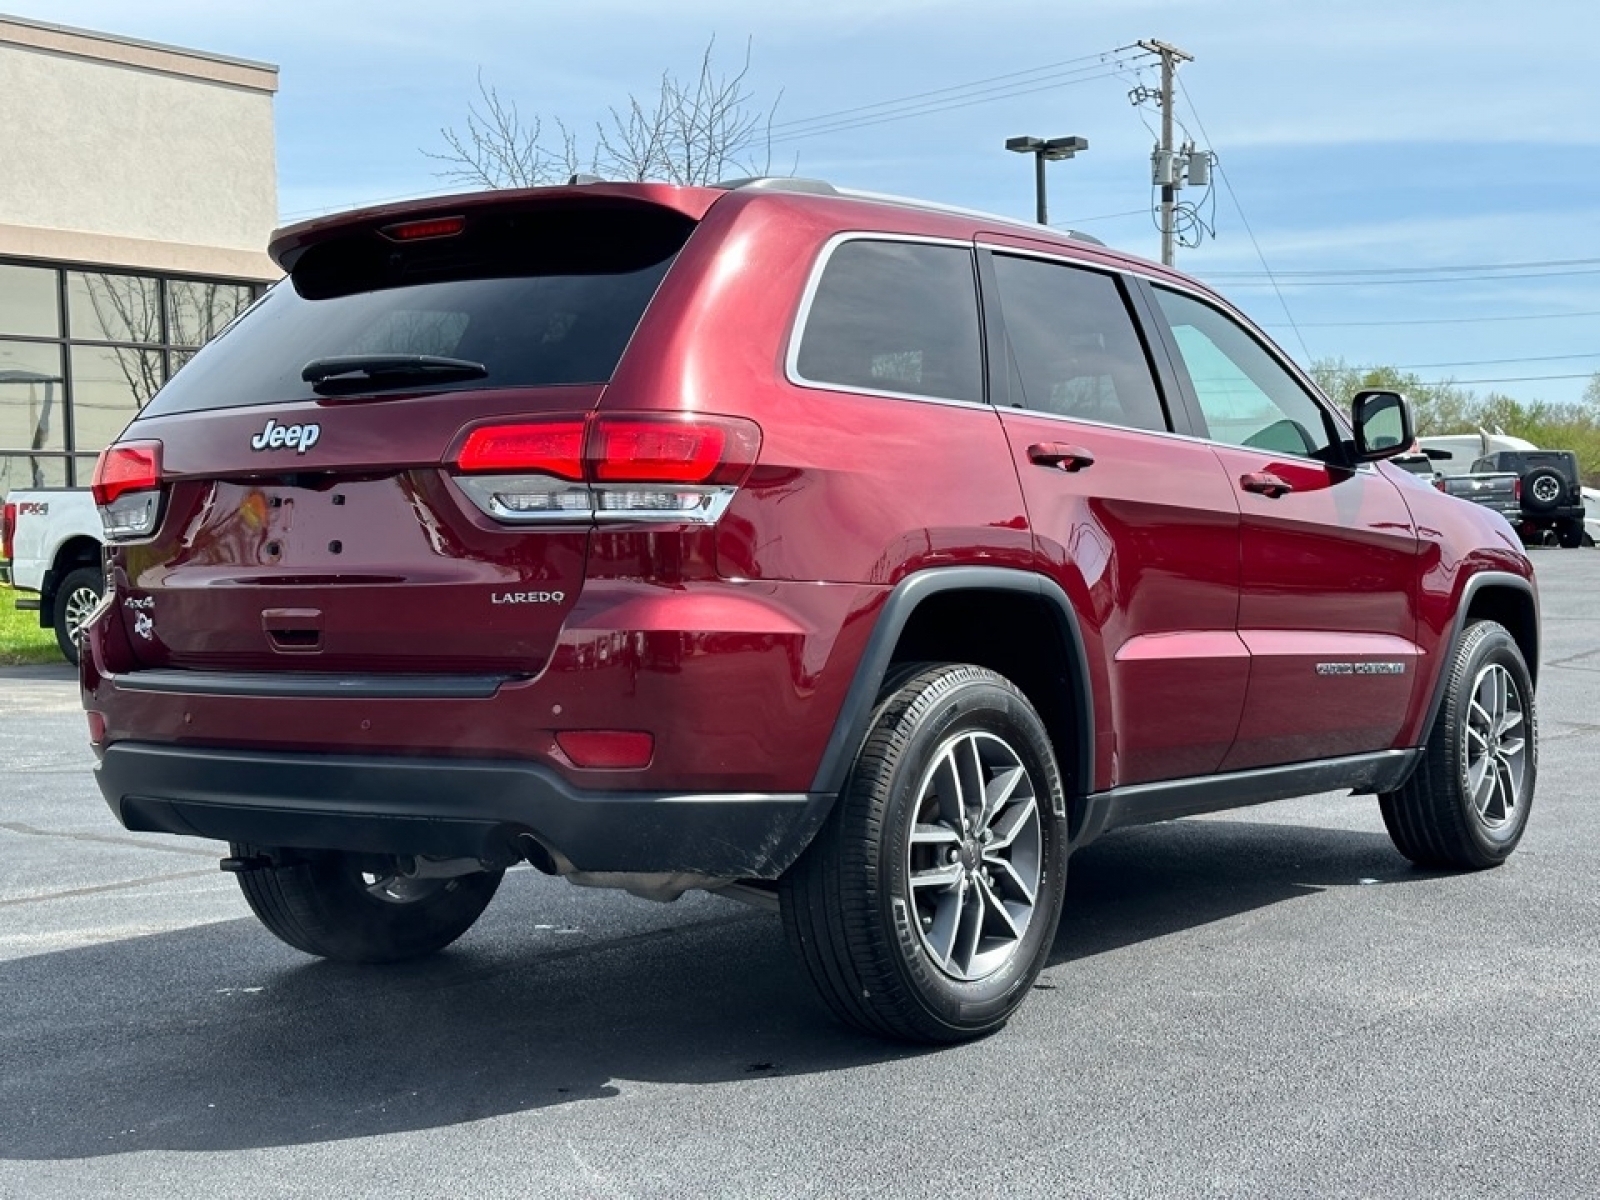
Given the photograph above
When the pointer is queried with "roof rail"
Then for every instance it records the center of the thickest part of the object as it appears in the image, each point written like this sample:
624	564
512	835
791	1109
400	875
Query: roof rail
778	183
961	211
821	187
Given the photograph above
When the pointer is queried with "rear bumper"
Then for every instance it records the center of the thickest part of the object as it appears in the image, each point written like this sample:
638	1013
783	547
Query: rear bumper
450	808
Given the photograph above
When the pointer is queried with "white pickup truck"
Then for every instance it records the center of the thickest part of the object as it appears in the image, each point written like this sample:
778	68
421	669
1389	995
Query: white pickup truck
51	540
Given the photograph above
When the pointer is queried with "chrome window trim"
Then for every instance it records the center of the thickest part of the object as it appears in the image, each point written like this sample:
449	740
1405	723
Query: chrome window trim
1005	411
791	358
1185	288
1134	322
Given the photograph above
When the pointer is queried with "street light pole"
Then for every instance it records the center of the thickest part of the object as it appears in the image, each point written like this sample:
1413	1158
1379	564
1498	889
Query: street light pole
1041	207
1043	150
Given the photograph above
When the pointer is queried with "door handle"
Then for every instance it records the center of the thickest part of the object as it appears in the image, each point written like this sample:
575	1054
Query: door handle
1060	455
1264	483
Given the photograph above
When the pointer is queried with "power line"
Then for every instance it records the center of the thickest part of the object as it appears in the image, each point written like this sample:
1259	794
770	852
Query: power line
1331	272
1434	321
944	91
1481	362
1506	379
1273	278
985	96
1245	221
1073	224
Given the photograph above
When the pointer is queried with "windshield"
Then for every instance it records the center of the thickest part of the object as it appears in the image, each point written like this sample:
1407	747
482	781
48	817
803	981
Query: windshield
551	301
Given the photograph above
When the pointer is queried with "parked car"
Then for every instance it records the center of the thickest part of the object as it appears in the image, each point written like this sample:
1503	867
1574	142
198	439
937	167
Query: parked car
50	540
858	558
1423	462
1549	496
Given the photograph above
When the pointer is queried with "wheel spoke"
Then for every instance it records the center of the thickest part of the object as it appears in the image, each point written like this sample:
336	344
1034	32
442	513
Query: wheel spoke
998	793
1480	783
1484	722
1509	722
1012	822
942	876
941	936
1007	873
995	907
944	783
935	835
971	930
970	768
1510	790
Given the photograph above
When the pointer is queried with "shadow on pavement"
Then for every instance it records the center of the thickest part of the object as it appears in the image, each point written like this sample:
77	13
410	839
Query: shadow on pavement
216	1038
1143	883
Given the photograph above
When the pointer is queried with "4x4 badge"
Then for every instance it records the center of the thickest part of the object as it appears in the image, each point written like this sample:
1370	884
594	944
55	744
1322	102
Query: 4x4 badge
298	438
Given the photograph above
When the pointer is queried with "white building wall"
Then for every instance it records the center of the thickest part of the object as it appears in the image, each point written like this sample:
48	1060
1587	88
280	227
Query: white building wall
123	153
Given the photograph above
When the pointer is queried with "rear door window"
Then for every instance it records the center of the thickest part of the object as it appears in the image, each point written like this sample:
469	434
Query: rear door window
1071	345
899	318
538	299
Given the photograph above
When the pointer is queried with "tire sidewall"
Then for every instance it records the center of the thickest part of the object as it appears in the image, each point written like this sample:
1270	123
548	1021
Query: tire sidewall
970	706
73	581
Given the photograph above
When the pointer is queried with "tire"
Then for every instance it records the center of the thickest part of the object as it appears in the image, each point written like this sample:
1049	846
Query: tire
908	928
333	906
1542	489
75	599
1570	533
1467	803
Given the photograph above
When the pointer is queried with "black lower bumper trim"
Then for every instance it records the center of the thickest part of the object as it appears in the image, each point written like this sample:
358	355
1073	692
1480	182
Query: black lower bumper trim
450	808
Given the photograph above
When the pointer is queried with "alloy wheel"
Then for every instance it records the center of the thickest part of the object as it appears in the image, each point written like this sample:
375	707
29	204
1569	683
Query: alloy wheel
975	855
1495	747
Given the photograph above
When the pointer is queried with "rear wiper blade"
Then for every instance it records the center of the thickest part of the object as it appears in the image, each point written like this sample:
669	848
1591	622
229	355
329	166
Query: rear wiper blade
389	368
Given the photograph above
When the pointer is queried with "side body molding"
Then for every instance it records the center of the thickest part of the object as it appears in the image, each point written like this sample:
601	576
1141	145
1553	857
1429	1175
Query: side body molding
850	729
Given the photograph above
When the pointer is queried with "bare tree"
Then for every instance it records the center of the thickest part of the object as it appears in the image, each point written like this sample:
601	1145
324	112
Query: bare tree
499	150
690	132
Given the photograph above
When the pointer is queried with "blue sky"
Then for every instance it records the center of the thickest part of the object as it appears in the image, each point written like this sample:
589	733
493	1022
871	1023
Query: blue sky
1439	146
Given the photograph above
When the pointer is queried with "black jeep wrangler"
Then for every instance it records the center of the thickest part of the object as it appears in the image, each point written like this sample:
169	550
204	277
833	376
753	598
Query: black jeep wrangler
1552	492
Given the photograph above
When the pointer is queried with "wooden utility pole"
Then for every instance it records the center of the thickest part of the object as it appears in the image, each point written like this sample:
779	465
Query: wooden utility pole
1171	56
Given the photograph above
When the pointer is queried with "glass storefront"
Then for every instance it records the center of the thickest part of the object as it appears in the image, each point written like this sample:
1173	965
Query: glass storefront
82	351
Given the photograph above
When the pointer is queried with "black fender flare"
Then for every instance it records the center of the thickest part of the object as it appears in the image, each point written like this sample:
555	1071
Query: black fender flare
851	726
1476	583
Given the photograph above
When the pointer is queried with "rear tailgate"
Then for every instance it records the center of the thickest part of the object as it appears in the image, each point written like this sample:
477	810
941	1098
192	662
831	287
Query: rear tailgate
360	554
313	518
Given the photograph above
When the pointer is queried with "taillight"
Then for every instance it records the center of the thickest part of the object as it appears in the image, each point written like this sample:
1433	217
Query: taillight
127	488
8	524
545	447
1516	489
611	467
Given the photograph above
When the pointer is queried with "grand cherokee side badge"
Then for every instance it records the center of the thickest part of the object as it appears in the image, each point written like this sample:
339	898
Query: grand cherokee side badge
298	438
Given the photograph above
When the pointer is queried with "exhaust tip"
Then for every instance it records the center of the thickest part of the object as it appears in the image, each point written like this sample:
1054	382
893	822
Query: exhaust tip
534	851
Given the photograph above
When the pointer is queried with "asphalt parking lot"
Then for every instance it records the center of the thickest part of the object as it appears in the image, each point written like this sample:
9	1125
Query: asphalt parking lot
1264	1003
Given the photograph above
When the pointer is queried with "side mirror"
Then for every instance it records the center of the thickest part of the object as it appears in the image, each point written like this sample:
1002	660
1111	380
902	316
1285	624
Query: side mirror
1383	425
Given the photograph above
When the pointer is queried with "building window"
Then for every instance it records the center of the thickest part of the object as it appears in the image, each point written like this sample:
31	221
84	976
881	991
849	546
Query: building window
82	351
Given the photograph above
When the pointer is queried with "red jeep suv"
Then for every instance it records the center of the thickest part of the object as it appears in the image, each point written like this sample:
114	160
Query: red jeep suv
855	557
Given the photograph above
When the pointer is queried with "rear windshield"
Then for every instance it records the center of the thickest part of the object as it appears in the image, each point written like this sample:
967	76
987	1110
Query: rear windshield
539	299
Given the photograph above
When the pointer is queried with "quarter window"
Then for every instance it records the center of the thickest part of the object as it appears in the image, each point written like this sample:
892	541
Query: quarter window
895	317
1071	345
1246	396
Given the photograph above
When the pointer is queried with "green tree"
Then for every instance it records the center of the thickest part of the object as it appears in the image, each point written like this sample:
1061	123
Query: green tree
1436	407
1442	408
